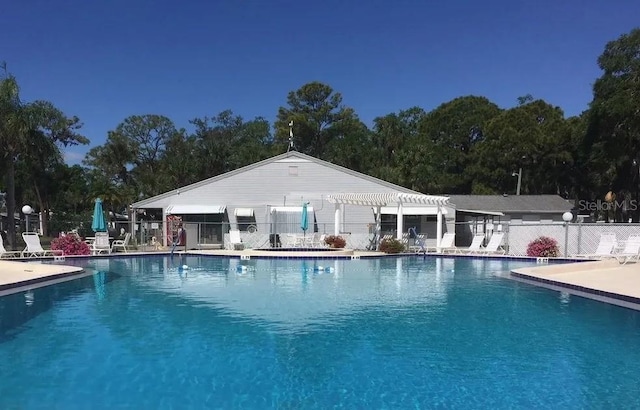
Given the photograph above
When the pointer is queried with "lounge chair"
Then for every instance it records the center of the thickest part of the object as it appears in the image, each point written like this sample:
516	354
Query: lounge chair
121	243
235	241
100	244
605	248
7	254
476	245
630	252
34	249
495	245
447	244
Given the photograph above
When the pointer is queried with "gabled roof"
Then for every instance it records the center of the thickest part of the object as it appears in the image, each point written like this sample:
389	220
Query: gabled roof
286	155
512	203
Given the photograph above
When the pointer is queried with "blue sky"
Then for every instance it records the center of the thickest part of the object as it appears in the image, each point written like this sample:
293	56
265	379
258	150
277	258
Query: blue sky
104	61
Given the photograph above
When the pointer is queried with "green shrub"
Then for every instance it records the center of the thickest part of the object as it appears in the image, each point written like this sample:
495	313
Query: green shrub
391	246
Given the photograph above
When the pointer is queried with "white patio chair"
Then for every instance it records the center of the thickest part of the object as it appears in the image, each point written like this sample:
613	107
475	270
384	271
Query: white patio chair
34	249
495	245
447	244
100	244
476	245
7	254
631	250
235	240
606	246
121	243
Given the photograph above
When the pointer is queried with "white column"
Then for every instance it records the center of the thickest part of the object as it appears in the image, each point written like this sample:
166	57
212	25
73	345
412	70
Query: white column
400	222
336	220
378	224
439	227
342	218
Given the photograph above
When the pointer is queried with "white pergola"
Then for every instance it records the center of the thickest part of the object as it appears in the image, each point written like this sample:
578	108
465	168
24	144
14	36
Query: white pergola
380	199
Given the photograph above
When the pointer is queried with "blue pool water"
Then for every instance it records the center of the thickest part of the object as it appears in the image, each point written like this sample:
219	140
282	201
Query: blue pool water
383	333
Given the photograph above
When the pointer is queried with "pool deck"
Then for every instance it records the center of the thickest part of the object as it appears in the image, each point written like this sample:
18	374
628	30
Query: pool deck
606	280
17	274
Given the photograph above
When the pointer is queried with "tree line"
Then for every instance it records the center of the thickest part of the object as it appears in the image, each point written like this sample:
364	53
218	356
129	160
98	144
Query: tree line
465	146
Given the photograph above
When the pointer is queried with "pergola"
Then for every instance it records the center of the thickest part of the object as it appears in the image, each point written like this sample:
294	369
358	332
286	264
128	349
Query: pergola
380	199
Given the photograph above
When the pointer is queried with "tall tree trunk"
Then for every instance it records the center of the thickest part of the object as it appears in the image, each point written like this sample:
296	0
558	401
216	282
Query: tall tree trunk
11	203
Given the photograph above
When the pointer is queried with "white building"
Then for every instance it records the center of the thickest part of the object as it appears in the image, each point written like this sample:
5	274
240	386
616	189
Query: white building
266	198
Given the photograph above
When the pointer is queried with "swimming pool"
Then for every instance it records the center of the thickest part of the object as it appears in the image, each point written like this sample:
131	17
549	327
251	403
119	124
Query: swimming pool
281	333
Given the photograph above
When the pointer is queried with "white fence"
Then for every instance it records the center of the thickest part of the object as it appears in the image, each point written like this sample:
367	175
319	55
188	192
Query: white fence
574	238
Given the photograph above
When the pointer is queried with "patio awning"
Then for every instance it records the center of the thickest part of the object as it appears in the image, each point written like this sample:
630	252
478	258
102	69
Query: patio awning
480	212
290	209
245	212
412	210
195	209
386	198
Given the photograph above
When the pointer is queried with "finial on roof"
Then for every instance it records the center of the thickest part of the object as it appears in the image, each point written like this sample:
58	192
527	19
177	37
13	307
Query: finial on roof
291	147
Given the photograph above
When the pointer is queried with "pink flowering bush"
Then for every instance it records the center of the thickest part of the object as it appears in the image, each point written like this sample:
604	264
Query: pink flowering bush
70	245
543	247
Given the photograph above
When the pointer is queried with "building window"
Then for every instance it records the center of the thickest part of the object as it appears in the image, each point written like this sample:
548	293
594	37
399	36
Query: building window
293	170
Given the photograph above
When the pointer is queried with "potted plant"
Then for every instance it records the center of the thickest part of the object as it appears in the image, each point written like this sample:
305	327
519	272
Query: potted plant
391	245
543	247
70	245
335	241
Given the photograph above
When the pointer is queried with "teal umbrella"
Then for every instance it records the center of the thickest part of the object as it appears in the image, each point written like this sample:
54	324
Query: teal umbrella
304	222
98	224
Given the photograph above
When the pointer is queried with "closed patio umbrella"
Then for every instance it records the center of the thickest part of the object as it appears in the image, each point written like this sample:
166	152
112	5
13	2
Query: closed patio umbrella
304	222
98	224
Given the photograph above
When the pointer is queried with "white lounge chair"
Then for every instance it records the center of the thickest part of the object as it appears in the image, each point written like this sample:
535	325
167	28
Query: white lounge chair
476	245
235	241
631	250
34	249
495	244
605	248
121	243
100	244
447	243
7	254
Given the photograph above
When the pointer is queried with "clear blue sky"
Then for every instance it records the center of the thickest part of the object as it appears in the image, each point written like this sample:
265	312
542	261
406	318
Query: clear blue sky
106	60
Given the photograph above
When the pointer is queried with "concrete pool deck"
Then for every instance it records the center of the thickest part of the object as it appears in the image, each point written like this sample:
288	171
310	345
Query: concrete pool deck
602	280
605	280
16	274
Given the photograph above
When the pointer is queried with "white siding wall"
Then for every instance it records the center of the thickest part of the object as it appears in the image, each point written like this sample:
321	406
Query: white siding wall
287	182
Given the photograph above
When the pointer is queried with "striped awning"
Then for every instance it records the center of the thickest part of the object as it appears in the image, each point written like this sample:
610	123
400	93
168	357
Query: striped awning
386	198
195	209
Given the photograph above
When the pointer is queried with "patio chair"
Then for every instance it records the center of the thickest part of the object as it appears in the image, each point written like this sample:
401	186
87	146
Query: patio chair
235	240
476	245
7	254
605	248
101	243
447	243
34	249
631	250
121	243
495	245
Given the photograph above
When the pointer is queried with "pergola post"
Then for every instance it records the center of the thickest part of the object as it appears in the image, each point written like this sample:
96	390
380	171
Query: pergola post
439	227
399	222
378	225
337	218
